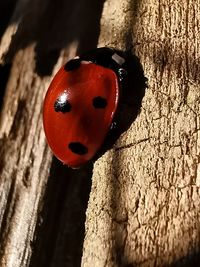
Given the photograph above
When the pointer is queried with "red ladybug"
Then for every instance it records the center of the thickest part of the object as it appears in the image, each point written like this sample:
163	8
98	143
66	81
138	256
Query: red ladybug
80	105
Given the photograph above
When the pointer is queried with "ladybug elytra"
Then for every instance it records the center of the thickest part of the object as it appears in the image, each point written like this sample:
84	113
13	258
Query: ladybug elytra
81	103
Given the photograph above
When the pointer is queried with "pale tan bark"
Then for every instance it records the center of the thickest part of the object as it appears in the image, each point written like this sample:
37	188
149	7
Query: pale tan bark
144	202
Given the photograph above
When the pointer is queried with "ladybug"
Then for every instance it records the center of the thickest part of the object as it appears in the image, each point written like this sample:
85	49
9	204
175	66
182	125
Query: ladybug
81	103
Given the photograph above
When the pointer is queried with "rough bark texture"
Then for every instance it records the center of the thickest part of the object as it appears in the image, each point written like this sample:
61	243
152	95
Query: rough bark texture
143	208
144	202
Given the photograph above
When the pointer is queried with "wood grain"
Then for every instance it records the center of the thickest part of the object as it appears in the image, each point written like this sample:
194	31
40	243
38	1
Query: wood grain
144	203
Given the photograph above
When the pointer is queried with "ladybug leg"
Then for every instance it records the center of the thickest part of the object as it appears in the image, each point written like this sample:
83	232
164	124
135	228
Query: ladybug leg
113	125
122	74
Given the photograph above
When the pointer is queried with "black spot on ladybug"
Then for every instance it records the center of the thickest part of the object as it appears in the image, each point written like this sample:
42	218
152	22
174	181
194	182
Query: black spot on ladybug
99	102
72	64
62	104
78	148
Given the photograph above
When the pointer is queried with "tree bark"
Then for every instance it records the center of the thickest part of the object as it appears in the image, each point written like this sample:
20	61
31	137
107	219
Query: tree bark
143	207
144	202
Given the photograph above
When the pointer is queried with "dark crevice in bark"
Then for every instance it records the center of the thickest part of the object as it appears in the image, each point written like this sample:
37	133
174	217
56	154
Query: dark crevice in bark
192	260
61	225
6	10
4	76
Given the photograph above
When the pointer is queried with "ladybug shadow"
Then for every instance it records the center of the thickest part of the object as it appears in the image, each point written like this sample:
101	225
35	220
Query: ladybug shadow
132	92
61	227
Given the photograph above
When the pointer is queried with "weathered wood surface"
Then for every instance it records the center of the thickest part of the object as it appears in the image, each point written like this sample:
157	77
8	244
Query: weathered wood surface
143	208
145	199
